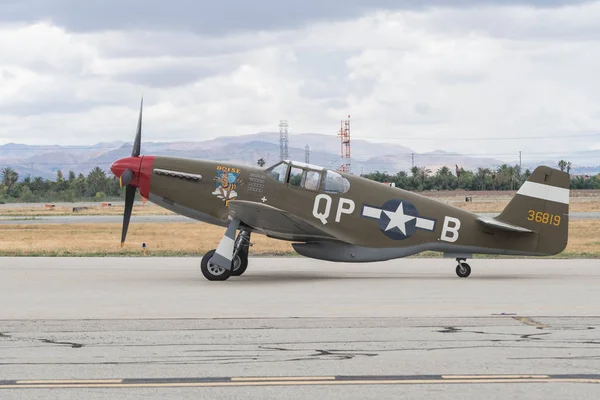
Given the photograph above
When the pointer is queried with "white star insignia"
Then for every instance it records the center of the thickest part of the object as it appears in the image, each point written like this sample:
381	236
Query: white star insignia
398	219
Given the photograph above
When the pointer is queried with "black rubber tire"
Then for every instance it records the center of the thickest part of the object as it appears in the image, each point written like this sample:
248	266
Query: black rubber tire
463	270
208	274
243	256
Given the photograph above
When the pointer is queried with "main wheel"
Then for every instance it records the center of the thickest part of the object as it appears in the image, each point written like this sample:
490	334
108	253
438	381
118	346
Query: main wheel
211	271
240	263
463	270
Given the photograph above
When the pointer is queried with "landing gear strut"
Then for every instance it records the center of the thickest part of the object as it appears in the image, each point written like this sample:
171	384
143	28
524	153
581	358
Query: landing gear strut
230	258
463	269
240	253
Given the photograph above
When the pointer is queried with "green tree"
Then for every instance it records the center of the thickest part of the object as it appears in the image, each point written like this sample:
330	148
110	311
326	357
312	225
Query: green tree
61	184
401	180
444	179
38	185
482	177
9	178
562	164
96	182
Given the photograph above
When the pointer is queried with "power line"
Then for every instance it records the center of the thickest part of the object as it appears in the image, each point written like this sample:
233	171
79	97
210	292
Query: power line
478	138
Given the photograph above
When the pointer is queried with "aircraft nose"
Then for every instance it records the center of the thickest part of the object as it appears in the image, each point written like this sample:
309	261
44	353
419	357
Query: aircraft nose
119	166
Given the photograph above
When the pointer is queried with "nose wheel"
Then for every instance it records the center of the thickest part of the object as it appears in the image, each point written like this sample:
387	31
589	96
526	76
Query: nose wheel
463	269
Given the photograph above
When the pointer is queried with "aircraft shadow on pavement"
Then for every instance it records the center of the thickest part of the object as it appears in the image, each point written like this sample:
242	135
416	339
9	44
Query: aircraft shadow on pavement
270	277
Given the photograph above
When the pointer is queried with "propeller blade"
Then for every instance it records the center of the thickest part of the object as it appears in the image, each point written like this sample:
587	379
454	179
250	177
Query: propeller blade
129	197
137	143
126	178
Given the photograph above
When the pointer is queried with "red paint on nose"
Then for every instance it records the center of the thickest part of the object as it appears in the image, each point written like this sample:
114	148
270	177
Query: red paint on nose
133	163
142	171
145	175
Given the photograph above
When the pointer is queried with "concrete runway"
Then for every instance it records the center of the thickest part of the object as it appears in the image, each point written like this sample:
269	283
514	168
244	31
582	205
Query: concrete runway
154	328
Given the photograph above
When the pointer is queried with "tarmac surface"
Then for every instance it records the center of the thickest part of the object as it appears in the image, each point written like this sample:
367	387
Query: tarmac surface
299	328
86	219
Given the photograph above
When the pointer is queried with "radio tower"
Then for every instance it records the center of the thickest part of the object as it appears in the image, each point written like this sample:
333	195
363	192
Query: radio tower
283	140
344	134
307	154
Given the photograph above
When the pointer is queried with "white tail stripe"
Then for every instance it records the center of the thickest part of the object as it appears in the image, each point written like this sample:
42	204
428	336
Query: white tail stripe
544	192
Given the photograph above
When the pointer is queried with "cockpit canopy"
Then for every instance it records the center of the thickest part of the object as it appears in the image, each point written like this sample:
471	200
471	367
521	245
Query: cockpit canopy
308	176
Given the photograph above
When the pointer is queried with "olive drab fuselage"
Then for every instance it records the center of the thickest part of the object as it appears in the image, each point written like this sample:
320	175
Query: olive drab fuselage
345	207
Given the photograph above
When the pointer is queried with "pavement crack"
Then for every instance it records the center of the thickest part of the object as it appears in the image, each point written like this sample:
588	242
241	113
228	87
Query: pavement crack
449	329
530	335
323	354
274	348
73	345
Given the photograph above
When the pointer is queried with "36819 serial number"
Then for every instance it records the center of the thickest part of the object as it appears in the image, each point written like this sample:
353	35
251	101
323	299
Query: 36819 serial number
543	218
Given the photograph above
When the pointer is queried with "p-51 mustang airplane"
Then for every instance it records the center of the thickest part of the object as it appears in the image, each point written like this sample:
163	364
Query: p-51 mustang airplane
339	217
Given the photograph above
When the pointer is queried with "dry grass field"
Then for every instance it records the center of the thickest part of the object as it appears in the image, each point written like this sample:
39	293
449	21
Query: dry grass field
39	209
187	238
178	238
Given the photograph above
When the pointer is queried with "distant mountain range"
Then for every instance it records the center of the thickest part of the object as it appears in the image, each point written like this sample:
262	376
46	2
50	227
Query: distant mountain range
247	149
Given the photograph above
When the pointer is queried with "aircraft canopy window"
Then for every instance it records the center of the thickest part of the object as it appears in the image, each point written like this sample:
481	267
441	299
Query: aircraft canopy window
278	172
334	182
296	176
312	180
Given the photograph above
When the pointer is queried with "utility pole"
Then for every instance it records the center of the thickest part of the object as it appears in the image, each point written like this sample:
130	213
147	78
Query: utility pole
413	160
307	154
520	163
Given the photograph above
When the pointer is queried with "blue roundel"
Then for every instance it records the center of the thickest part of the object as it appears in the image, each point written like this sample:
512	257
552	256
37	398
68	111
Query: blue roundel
398	219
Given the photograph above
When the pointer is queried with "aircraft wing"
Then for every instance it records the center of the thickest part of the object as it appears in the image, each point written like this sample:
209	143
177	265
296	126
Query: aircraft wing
274	222
494	223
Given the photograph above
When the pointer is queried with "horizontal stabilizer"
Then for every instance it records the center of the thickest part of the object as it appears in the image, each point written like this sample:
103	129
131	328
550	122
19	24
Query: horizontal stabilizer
502	225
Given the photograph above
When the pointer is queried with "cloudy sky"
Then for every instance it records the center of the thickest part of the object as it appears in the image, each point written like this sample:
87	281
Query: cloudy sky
426	74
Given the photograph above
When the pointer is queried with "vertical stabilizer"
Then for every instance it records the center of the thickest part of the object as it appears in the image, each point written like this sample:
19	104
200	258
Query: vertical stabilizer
542	205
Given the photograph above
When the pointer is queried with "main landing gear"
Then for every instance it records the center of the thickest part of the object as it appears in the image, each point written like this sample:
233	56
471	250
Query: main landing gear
230	258
463	269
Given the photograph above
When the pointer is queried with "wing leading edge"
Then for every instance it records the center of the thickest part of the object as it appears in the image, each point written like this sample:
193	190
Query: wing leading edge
274	222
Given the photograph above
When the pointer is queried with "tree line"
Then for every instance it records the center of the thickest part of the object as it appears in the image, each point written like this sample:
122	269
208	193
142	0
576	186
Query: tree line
504	177
98	186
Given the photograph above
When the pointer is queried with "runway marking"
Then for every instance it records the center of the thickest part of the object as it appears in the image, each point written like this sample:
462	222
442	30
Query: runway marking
495	376
284	378
296	381
53	381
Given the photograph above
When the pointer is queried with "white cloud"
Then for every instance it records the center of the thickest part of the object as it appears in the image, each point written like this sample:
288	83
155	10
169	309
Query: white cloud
485	72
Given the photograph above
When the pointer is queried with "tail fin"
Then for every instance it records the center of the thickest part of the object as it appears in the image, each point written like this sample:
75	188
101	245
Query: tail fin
542	205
